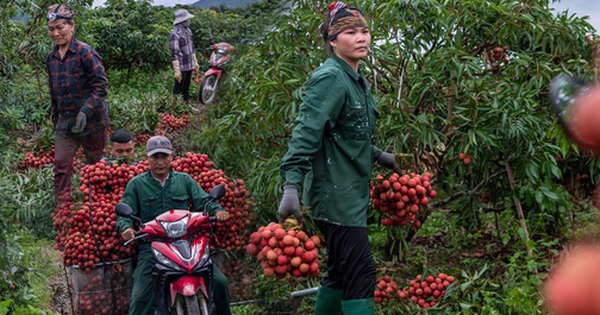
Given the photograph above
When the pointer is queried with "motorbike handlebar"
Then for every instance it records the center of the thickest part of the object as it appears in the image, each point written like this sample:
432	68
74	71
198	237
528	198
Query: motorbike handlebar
137	236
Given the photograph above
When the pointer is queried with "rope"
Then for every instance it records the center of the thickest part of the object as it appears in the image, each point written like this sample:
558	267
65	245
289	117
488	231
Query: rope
105	270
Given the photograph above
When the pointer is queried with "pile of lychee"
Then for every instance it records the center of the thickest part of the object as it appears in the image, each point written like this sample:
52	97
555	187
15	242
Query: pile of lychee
427	291
385	290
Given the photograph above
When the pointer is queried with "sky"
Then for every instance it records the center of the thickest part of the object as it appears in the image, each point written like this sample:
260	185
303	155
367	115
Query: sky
590	8
581	8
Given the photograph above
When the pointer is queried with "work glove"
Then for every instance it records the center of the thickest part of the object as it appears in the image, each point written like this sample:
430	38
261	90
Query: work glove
196	65
388	160
80	123
177	70
290	204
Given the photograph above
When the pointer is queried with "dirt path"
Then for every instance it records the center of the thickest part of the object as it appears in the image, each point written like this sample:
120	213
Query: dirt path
59	302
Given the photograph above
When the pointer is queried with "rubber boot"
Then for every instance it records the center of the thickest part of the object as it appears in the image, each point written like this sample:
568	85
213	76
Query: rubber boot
358	307
328	301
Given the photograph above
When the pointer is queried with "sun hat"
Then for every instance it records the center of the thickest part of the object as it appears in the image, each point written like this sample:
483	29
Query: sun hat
158	144
182	15
59	11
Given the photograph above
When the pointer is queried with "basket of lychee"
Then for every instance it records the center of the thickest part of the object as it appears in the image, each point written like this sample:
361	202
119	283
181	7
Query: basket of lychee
285	249
401	197
427	292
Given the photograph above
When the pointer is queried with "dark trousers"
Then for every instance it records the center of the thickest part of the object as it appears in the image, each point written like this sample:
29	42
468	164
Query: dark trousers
64	152
350	265
183	87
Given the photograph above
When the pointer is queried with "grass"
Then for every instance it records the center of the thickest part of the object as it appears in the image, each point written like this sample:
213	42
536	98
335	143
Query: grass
47	274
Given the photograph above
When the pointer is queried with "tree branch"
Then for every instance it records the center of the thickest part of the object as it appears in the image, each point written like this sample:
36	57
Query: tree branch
463	192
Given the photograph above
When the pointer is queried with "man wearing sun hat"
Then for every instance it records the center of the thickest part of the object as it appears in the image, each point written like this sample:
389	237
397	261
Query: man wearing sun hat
78	87
150	194
183	54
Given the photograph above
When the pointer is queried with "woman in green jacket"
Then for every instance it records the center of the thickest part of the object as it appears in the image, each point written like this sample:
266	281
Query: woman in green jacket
332	150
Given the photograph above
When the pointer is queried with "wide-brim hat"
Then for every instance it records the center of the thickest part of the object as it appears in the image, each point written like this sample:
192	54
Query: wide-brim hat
182	15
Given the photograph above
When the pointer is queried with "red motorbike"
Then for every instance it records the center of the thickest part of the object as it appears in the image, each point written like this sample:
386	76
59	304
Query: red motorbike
220	56
183	276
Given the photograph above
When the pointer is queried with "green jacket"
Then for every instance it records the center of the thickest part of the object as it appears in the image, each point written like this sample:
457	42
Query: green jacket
149	199
332	144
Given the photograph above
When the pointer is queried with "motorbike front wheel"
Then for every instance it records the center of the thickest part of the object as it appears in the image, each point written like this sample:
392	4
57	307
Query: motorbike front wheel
208	89
191	305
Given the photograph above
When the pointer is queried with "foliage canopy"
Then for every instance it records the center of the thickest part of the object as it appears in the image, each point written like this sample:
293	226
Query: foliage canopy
440	90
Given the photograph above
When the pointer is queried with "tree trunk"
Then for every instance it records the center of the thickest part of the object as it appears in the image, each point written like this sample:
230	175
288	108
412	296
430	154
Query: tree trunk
511	180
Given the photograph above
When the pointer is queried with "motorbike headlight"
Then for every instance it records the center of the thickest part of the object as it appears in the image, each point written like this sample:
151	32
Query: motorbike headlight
221	50
163	260
175	229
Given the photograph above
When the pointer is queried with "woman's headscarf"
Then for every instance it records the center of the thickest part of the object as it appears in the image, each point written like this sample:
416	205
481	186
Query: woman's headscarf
340	17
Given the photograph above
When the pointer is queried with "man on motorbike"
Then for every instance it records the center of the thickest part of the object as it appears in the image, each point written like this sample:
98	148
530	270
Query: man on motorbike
150	194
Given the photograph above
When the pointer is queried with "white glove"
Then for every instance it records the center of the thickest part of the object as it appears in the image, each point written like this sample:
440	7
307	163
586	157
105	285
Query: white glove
177	71
196	65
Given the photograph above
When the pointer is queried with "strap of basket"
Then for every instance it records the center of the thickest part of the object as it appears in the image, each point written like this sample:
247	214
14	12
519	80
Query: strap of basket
91	219
106	274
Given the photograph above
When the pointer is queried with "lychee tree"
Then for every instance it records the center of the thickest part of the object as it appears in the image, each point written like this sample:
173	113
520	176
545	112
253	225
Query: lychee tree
471	77
451	77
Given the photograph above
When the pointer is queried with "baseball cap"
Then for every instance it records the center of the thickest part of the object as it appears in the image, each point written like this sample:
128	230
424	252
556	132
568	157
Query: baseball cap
158	144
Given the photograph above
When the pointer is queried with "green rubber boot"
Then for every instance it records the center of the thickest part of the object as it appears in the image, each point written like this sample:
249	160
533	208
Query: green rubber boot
358	307
328	301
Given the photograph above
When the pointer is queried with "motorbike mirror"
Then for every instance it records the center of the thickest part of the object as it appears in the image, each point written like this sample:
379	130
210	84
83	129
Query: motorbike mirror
217	192
210	35
123	210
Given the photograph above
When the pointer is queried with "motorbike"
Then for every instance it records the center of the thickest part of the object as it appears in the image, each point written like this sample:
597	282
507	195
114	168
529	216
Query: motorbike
220	56
182	275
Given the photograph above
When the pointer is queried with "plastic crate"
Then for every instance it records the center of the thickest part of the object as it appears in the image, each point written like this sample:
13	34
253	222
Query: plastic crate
103	290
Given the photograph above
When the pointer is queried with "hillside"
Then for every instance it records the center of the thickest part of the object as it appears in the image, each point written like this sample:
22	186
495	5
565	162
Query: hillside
205	4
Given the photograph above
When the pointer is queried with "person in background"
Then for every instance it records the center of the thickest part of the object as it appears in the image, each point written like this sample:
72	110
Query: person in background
183	53
150	194
121	145
78	87
332	150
